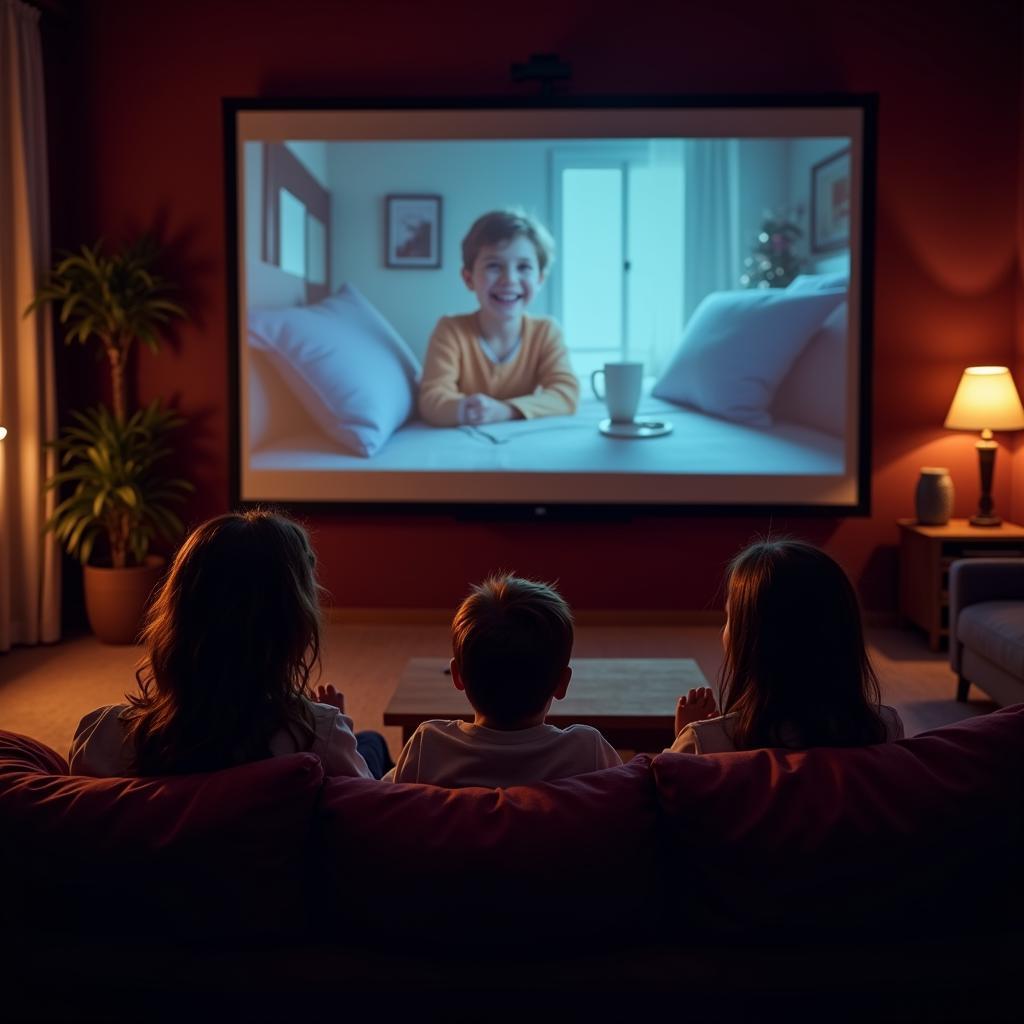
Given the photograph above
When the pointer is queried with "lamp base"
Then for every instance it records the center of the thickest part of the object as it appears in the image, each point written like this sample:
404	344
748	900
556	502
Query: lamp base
980	520
985	515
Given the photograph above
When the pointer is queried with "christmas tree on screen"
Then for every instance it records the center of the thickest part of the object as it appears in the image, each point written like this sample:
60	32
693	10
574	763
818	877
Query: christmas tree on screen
773	262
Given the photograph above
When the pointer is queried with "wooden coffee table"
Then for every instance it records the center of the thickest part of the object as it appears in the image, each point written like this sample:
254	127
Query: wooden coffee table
631	700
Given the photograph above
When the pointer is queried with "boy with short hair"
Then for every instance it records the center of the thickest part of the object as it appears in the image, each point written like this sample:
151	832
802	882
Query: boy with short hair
511	641
498	363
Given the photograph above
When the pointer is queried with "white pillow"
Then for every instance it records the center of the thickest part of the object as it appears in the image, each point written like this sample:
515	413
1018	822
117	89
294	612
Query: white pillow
738	346
346	365
813	393
819	283
274	412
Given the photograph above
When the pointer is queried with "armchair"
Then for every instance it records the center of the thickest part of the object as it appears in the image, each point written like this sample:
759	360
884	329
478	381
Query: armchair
986	627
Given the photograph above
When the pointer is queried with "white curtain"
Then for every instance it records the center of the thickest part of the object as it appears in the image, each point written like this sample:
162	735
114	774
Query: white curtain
29	561
693	183
655	301
712	260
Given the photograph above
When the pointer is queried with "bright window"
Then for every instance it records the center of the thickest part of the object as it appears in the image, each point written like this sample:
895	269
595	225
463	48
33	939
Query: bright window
293	234
617	282
592	263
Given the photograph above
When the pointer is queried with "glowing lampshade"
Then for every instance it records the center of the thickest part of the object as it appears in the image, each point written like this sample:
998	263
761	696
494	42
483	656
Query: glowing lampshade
3	433
986	399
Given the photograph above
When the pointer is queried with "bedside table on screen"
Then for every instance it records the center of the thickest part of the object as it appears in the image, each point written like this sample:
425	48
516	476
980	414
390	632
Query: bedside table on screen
926	553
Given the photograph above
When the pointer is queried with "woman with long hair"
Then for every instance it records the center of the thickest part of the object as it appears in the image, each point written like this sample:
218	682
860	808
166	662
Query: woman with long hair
232	640
796	671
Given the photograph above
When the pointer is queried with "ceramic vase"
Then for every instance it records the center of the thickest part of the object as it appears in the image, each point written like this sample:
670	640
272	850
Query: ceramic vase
933	501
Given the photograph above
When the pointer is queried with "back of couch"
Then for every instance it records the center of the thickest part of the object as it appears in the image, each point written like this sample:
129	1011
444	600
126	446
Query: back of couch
194	857
923	836
575	861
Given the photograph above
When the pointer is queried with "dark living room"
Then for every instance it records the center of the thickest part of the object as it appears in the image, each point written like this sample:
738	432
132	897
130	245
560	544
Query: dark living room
827	198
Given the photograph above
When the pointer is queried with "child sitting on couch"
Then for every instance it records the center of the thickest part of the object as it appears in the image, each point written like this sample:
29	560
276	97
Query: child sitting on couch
511	641
232	638
796	672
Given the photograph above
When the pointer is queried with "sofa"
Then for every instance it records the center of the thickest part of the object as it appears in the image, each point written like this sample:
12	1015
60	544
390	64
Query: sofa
986	627
824	884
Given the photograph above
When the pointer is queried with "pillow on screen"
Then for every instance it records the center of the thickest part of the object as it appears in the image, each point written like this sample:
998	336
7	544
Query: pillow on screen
346	365
813	393
803	283
738	346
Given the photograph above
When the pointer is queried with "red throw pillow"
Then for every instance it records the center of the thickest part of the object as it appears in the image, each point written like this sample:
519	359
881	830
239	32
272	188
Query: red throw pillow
573	859
920	834
196	855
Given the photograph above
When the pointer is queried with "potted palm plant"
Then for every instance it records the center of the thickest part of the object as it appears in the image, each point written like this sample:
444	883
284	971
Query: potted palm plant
119	497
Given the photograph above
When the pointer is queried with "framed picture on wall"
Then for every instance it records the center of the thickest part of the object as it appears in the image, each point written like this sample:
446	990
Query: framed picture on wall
413	231
830	203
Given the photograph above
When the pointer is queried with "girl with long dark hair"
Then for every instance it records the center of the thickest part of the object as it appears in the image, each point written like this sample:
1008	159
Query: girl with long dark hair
232	640
796	671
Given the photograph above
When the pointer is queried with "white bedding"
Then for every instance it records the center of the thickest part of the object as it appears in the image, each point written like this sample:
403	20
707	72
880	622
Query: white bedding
556	459
561	459
573	444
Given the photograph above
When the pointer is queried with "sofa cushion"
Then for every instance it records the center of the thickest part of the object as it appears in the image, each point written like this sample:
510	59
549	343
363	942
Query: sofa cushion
344	363
813	393
834	840
26	754
737	347
572	860
274	411
995	629
194	855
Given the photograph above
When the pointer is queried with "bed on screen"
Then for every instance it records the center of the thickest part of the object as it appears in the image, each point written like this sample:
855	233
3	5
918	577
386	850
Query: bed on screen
331	393
698	443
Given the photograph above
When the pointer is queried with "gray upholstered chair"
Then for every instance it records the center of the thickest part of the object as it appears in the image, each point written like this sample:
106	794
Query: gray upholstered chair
986	627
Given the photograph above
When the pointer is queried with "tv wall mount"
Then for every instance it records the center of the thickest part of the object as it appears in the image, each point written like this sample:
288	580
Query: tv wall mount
546	68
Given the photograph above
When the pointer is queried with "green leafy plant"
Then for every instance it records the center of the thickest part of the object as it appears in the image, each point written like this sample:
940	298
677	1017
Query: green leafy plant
117	299
119	492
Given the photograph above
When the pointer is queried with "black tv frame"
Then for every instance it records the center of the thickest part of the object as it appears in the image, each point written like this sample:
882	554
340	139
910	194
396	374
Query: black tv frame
561	511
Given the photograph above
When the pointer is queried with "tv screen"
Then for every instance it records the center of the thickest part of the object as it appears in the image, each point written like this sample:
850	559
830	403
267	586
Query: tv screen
654	304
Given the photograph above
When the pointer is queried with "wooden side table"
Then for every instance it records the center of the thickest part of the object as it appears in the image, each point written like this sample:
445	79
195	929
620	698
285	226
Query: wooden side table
925	556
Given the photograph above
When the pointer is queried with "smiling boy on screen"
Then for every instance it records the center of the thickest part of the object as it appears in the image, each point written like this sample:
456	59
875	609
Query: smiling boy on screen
498	363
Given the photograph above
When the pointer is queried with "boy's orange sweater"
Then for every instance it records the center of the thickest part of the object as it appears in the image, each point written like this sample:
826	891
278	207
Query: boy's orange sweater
538	380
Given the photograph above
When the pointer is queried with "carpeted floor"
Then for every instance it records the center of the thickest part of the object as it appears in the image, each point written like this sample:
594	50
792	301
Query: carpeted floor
44	691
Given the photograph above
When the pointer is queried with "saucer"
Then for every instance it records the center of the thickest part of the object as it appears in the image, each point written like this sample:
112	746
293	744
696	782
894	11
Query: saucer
636	429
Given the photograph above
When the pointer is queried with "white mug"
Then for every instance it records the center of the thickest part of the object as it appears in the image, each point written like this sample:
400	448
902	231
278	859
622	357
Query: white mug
622	383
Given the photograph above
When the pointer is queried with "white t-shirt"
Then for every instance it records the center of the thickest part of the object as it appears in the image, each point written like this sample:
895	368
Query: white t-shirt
102	748
458	754
714	735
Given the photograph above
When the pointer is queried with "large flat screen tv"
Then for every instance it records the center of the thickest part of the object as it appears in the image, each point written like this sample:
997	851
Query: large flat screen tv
384	354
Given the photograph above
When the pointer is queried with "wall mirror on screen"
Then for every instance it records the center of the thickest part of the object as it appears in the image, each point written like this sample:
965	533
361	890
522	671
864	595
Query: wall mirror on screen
721	249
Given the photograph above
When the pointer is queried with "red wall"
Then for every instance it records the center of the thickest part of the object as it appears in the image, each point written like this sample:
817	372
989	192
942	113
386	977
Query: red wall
143	83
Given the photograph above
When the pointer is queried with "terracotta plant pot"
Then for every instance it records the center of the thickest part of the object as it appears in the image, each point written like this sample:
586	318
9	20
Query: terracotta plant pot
116	599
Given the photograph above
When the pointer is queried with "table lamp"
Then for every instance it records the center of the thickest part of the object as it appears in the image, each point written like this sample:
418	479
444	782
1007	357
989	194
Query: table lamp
986	400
